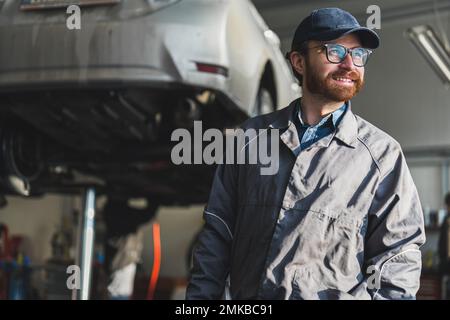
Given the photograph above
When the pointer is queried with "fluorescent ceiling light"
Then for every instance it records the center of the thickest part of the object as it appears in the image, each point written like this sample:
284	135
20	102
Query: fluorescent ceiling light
432	49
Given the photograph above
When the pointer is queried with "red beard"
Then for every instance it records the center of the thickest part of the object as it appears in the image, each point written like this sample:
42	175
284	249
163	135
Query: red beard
329	88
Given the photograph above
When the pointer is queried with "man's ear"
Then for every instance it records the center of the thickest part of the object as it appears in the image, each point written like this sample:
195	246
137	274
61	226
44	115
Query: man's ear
297	62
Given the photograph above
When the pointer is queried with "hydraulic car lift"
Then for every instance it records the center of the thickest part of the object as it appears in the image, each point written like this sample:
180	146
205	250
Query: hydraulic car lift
86	244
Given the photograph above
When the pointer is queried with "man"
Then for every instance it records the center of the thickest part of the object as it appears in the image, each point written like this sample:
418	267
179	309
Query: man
341	219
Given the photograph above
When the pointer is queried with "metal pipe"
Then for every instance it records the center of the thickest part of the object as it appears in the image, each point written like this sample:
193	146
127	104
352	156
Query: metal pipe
87	237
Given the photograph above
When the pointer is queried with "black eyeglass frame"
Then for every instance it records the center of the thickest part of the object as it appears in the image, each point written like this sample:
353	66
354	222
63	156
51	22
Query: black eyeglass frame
347	51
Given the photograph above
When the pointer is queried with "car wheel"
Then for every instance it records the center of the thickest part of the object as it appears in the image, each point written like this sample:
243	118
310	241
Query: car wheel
264	102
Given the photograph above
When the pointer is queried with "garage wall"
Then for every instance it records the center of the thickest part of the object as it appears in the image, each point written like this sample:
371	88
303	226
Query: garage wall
179	226
429	185
37	220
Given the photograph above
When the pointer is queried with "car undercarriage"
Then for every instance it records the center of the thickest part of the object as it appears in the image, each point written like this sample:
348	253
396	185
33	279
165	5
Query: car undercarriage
112	137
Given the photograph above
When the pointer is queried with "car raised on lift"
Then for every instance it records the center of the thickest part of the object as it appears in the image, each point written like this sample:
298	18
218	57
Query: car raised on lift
96	106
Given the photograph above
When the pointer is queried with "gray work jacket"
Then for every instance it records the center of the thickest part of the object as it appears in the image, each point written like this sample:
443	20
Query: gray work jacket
340	220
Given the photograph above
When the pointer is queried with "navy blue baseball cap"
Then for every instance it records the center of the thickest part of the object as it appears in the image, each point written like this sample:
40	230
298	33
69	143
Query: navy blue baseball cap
327	24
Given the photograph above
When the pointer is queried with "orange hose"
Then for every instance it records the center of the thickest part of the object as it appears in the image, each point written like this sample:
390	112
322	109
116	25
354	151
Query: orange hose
156	261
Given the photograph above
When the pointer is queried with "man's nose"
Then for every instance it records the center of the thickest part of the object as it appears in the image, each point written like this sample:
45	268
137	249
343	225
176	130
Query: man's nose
347	63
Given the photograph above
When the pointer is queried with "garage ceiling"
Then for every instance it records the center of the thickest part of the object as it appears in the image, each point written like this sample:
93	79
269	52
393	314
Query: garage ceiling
284	15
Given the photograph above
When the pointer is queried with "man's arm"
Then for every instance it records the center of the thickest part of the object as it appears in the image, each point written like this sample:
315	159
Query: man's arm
212	253
394	235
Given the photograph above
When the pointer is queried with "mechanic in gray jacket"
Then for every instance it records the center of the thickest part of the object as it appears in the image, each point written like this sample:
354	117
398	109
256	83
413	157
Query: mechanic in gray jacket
341	218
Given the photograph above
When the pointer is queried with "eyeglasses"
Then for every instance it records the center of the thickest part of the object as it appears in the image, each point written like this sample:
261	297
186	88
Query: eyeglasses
336	53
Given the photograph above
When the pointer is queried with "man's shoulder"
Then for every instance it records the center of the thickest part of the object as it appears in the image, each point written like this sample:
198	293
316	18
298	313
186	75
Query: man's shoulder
384	149
265	120
368	132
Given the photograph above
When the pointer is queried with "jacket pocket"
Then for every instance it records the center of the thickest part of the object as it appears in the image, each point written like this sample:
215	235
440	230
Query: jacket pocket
332	244
341	219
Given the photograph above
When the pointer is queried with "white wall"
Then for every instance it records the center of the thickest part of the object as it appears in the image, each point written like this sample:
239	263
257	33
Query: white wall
428	181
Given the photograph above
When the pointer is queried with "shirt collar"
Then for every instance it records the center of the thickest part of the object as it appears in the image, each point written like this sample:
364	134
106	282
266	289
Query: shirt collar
335	116
346	131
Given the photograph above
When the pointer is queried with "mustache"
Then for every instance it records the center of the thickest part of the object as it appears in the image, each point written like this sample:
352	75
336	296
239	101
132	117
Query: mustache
353	75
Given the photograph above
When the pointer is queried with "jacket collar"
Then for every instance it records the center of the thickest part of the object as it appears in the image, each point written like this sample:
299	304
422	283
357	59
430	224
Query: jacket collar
346	131
285	116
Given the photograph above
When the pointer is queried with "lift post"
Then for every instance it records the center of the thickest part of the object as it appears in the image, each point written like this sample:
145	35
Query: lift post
86	243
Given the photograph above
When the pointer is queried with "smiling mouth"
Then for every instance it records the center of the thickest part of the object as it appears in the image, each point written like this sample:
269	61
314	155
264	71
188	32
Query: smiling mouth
344	80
